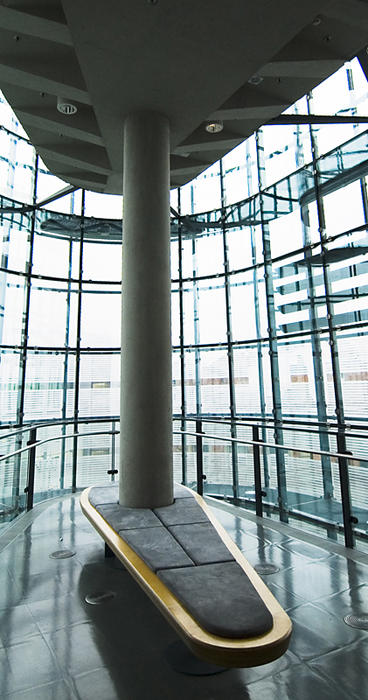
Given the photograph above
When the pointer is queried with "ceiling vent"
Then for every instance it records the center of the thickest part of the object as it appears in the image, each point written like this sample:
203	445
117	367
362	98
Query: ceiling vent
65	107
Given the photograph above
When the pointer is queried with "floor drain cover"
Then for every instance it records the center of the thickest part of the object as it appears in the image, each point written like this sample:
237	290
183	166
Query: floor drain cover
359	621
100	597
62	554
264	569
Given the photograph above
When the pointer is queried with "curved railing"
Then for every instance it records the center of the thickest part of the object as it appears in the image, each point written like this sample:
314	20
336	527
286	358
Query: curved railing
236	461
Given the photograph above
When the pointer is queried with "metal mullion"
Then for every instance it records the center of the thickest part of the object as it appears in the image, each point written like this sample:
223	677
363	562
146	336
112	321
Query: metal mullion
230	356
272	341
78	347
262	401
335	364
181	341
196	331
113	448
66	363
254	268
24	341
315	340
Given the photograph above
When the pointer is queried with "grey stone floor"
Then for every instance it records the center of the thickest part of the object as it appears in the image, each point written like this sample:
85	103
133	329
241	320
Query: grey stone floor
53	645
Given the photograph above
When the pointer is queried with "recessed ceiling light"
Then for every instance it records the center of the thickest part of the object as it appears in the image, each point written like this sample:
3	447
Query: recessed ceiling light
214	126
65	107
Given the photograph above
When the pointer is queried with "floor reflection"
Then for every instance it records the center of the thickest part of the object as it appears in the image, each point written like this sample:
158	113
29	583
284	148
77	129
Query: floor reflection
54	645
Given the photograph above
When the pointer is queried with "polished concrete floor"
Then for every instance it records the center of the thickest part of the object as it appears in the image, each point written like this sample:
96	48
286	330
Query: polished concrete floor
53	645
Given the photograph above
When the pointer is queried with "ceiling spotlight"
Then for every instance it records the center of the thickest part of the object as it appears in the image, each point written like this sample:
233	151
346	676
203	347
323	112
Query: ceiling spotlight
214	126
65	107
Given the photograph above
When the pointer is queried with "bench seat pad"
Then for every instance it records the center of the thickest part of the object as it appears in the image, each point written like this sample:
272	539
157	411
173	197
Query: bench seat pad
202	543
221	598
157	547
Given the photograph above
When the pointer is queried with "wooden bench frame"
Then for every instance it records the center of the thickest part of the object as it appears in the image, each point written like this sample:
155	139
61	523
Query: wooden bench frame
217	650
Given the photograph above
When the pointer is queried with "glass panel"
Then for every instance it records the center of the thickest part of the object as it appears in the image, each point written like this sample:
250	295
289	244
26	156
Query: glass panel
297	388
337	95
99	389
50	256
212	324
17	168
358	478
245	465
242	304
217	461
101	316
175	315
13	481
12	303
176	374
49	383
177	452
174	259
192	388
306	495
187	258
14	235
49	461
353	355
102	261
247	382
9	385
191	457
209	254
48	185
343	209
190	294
94	455
239	248
214	380
109	206
236	174
207	189
285	149
47	314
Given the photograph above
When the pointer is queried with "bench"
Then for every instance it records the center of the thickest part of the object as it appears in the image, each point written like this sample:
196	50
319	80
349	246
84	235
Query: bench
193	572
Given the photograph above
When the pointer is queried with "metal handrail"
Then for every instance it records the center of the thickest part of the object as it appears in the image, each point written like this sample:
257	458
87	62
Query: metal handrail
322	426
273	445
53	439
314	427
342	457
65	421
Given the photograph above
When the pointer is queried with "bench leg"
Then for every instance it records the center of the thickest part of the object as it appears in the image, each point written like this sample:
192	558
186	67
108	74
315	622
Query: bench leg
108	552
181	659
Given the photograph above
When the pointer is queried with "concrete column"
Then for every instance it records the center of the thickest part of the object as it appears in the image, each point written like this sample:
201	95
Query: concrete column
146	386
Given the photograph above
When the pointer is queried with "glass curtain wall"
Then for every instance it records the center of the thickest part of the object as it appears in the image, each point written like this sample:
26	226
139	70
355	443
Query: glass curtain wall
269	312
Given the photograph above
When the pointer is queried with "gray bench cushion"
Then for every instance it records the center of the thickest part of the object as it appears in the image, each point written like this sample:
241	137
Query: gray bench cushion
202	543
100	495
121	518
157	547
181	512
221	598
